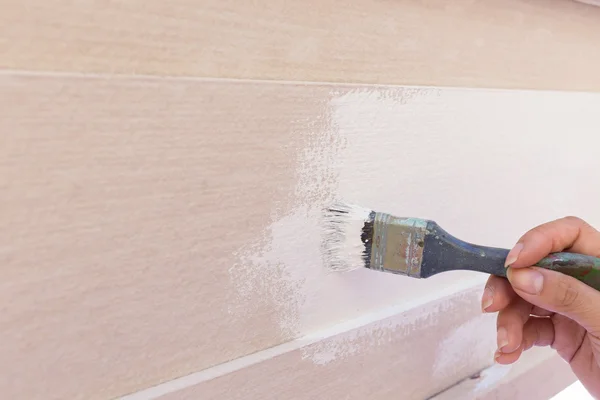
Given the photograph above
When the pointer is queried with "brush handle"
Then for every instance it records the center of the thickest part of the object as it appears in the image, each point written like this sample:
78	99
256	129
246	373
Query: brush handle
444	252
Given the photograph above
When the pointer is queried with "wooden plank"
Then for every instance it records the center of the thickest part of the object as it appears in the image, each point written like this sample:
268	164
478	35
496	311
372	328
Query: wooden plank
152	228
392	354
548	44
538	375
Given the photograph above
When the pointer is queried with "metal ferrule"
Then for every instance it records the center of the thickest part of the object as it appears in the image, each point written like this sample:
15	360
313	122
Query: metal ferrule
398	244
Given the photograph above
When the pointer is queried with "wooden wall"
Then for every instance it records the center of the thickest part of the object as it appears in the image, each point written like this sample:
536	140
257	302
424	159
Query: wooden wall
163	168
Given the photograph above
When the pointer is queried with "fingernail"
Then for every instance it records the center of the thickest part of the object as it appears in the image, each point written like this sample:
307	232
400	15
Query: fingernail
497	355
528	280
513	255
502	338
487	299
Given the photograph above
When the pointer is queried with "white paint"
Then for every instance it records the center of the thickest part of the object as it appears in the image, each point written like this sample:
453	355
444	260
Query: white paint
285	261
419	153
491	377
287	256
453	349
342	246
381	323
365	337
574	392
266	266
320	346
476	160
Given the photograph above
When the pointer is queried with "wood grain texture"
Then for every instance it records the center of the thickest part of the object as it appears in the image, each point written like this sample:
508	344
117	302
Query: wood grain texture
117	229
381	359
152	228
549	44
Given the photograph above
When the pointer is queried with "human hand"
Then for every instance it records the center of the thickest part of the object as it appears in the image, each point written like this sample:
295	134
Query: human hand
540	307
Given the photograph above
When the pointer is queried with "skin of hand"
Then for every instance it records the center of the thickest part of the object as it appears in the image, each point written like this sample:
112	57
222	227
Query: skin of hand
539	307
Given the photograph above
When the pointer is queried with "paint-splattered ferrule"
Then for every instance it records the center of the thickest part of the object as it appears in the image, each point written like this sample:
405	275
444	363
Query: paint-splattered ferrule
398	244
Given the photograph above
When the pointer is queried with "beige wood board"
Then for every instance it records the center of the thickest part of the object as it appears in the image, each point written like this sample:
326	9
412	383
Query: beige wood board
396	354
551	44
152	228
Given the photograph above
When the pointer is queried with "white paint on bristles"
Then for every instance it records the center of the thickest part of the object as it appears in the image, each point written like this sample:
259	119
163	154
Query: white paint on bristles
342	246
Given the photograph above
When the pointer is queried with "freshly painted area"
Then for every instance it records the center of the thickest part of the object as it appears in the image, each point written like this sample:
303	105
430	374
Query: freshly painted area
539	375
160	234
354	359
576	391
154	228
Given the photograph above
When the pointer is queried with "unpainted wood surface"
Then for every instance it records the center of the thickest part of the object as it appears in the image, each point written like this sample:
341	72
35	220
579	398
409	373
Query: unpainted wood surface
545	44
152	228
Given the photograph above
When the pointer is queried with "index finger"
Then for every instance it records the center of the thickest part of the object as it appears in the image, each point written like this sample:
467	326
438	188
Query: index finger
569	233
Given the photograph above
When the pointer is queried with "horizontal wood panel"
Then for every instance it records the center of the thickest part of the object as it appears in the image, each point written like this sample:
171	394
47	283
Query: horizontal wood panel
518	381
551	44
399	356
151	228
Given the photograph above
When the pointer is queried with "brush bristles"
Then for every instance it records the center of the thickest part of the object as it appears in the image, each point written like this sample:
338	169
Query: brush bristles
348	231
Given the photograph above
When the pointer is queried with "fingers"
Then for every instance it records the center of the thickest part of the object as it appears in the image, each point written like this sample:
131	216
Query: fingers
498	294
568	337
538	332
541	312
513	314
566	233
508	358
535	332
510	325
559	293
544	332
542	292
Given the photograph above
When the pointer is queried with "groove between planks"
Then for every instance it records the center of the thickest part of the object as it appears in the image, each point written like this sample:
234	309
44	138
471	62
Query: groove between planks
112	188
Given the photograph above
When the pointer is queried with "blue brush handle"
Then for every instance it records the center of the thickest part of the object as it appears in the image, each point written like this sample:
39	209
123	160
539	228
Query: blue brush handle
444	252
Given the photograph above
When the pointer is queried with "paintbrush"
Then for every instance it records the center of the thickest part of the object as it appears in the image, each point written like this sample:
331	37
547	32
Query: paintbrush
357	237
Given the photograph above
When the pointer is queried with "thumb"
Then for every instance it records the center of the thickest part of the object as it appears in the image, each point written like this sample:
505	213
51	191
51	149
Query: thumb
559	293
